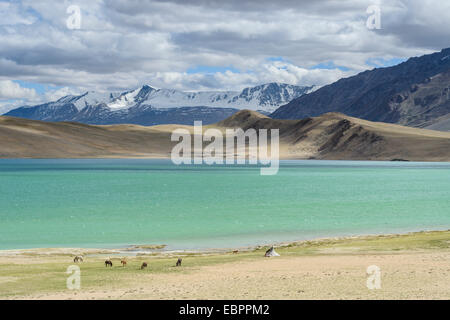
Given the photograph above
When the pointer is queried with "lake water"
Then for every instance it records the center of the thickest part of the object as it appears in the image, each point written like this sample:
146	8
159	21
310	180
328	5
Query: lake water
115	203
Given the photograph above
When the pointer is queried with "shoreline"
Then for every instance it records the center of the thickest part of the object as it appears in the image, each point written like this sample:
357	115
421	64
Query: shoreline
168	157
413	266
159	249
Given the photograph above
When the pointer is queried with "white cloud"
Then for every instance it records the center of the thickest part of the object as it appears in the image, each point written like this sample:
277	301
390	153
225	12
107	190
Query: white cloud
55	94
124	44
275	71
13	14
12	90
7	105
12	95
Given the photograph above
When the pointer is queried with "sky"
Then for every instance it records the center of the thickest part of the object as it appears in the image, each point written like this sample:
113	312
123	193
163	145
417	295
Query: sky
48	50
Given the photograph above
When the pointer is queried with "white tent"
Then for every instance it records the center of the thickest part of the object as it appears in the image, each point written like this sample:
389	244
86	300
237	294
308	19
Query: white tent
271	253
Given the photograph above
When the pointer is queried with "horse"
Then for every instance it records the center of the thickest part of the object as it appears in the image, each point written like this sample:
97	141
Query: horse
179	262
78	259
144	265
108	263
235	251
123	262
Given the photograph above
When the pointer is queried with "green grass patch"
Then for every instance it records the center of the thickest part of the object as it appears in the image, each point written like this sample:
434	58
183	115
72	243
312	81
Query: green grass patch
50	275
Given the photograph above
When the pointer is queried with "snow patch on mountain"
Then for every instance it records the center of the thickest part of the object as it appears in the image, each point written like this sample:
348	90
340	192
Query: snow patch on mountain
267	97
148	106
90	98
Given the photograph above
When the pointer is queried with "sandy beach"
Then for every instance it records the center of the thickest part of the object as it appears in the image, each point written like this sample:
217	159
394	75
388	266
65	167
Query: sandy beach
413	266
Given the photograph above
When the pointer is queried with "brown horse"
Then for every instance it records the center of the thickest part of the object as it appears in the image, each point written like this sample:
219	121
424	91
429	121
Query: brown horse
123	262
144	265
235	251
179	262
108	263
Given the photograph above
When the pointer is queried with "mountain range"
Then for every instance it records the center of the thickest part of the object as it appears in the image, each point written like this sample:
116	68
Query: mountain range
329	136
413	93
150	106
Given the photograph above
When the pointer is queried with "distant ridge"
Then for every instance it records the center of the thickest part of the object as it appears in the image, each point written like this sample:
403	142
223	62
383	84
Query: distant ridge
242	119
414	93
329	136
149	106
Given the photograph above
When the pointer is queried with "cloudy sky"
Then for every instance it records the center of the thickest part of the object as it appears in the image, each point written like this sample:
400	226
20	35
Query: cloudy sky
204	44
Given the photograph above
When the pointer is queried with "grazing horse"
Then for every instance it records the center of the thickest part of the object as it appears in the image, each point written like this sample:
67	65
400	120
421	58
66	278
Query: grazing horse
235	251
123	262
144	265
108	263
179	262
78	259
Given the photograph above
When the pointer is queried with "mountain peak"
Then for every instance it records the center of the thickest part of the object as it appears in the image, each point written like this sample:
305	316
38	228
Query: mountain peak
413	93
147	105
147	87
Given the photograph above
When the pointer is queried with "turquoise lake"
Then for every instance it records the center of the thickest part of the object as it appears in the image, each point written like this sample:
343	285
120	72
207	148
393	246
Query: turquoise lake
115	203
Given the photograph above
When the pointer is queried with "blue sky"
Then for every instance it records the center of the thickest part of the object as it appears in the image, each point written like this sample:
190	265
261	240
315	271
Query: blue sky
381	62
40	88
330	65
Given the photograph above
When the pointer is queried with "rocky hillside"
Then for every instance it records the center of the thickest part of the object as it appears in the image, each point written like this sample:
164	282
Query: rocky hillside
414	93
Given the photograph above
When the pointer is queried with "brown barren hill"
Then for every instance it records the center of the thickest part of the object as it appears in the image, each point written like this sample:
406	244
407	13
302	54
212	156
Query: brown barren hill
329	136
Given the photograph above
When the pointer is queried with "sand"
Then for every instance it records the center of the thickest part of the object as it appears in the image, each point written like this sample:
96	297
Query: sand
404	276
330	136
411	268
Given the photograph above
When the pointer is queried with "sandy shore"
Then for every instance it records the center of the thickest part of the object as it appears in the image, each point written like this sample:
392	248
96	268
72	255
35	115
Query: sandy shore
413	266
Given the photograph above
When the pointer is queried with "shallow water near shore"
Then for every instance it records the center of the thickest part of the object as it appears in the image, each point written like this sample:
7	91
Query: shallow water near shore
113	203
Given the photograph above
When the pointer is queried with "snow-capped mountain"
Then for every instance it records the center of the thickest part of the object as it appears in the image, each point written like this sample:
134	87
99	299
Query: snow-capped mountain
266	97
149	106
90	98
